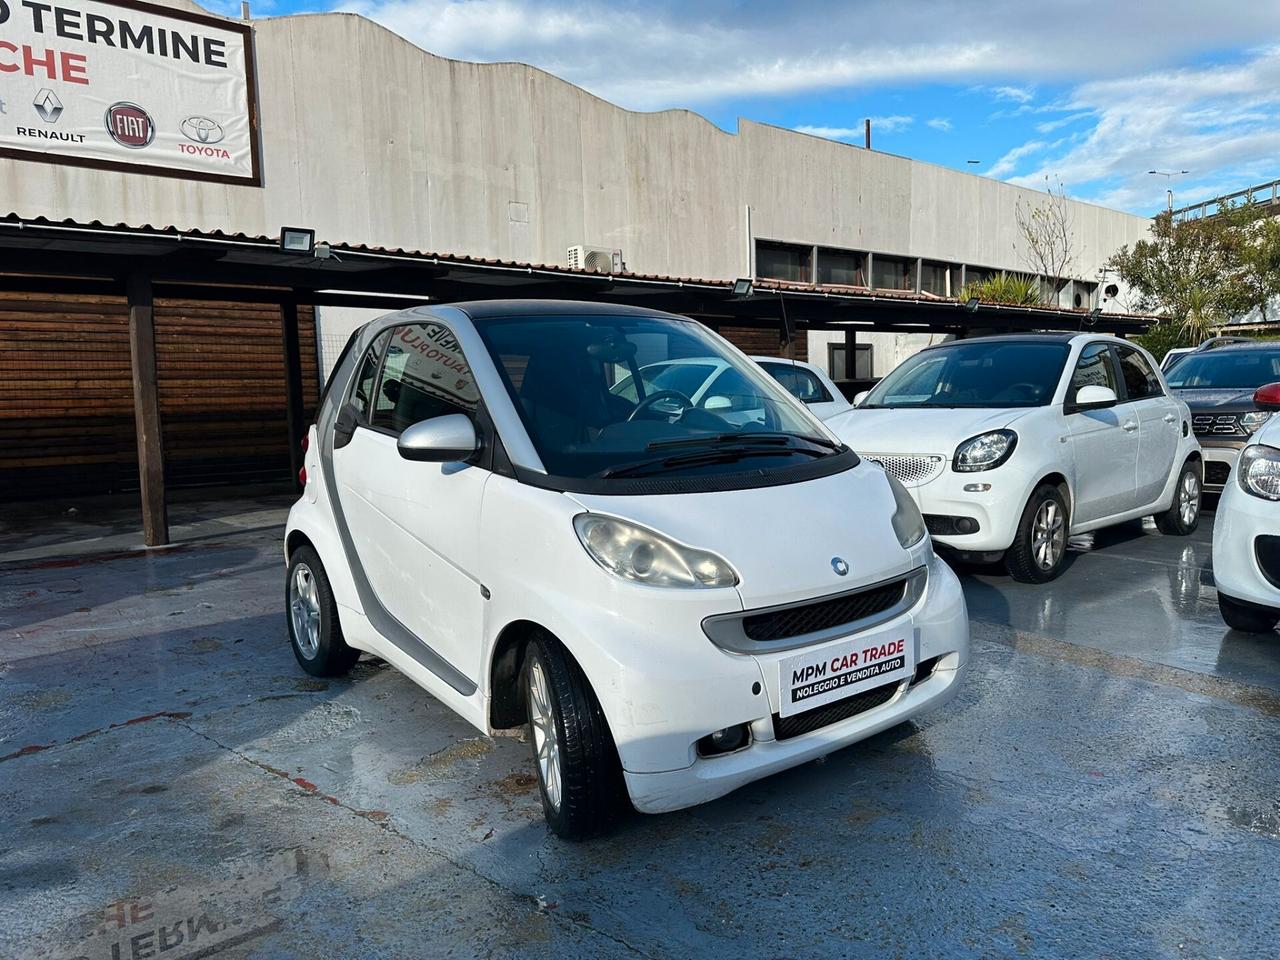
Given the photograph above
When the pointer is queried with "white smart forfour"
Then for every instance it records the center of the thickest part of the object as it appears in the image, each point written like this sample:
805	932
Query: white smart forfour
677	601
1011	444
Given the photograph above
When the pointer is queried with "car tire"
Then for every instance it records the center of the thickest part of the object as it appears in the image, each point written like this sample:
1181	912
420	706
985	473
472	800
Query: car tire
1040	544
315	633
1247	617
579	773
1183	515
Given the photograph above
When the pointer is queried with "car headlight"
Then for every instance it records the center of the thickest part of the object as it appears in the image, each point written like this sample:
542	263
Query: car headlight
1258	471
908	524
636	553
985	451
1254	419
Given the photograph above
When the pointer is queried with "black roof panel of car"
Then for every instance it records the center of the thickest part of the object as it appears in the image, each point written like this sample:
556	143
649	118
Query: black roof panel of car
493	309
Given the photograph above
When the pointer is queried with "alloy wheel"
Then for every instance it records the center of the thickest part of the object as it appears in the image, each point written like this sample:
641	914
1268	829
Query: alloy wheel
546	742
1048	535
1189	498
304	610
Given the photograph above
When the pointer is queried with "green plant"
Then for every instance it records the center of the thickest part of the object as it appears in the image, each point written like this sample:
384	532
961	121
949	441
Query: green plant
1018	289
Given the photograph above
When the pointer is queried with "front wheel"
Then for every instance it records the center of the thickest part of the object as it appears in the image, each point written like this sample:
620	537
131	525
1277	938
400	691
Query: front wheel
1183	515
1040	545
1247	617
579	774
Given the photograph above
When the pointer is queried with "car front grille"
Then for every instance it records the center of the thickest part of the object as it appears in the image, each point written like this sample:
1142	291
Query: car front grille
1216	472
912	469
785	728
1218	425
824	614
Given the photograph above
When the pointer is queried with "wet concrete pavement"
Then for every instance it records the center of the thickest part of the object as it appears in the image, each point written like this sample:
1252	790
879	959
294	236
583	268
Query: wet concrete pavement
172	785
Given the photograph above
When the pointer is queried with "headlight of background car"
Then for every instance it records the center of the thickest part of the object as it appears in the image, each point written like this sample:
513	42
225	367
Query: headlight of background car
636	553
908	524
985	451
1254	419
1258	471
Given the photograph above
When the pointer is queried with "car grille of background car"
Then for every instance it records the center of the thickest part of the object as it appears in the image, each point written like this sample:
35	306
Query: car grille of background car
911	469
1220	424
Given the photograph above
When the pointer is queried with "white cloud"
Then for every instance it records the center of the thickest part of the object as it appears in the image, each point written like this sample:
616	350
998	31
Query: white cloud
1049	126
1009	162
941	123
1016	94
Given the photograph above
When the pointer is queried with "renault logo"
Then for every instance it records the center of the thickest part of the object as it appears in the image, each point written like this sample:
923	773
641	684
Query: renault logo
47	105
839	566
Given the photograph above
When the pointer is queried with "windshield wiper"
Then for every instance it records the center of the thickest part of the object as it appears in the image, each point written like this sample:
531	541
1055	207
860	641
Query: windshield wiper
740	439
728	455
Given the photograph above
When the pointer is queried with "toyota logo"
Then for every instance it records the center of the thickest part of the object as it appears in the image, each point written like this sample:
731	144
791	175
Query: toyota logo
839	566
202	130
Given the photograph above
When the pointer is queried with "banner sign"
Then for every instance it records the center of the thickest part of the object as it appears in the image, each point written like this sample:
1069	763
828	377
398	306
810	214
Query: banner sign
130	86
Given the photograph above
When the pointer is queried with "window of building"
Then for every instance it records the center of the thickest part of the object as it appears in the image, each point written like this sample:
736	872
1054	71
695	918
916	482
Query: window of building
893	273
844	267
838	362
977	275
1139	380
784	261
1085	296
425	375
933	278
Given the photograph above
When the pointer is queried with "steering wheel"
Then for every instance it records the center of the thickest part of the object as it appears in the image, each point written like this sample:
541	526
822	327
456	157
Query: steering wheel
653	398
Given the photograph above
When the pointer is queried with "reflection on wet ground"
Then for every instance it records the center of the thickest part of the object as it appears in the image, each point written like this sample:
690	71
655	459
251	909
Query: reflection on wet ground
172	786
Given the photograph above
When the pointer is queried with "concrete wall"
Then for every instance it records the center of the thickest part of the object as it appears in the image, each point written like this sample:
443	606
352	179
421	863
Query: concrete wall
371	140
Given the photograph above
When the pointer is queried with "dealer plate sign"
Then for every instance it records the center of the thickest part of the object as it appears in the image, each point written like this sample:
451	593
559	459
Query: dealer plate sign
818	677
125	85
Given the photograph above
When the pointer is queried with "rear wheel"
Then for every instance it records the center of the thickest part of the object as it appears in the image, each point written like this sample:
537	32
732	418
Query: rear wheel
314	631
1040	544
579	774
1247	617
1183	515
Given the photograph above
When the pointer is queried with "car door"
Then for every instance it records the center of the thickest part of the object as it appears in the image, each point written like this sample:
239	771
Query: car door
1159	424
415	525
1104	443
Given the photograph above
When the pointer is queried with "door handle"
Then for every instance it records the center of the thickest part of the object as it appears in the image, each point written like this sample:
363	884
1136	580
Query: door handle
1169	418
1130	426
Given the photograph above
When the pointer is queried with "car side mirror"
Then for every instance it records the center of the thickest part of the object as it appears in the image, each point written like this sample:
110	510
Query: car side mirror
445	439
859	397
717	404
1267	397
1094	397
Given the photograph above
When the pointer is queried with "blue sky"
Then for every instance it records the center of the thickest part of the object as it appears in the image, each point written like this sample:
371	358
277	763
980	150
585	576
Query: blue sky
1089	93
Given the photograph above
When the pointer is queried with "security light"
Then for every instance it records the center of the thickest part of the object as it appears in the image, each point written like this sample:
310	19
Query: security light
743	288
1094	314
972	304
297	240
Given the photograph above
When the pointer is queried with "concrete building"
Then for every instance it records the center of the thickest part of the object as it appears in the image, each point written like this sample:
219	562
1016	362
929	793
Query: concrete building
370	140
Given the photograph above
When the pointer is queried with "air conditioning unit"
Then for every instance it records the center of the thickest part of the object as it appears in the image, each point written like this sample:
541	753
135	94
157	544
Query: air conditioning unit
595	259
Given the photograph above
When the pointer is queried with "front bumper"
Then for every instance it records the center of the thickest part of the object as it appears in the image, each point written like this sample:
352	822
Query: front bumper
996	510
939	628
1220	458
1240	520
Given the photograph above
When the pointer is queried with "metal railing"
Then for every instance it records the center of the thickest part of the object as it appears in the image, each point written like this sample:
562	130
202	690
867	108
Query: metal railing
1264	193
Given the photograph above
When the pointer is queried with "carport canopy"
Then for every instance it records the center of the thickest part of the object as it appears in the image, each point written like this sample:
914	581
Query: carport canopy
143	263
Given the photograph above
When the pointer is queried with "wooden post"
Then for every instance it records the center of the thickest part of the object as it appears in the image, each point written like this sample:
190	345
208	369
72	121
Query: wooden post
146	411
293	386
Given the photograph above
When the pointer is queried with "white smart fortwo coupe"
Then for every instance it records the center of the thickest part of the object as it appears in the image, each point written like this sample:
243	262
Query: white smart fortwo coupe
1012	444
677	601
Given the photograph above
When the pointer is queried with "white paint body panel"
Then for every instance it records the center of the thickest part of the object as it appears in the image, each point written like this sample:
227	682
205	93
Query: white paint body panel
1111	475
1240	518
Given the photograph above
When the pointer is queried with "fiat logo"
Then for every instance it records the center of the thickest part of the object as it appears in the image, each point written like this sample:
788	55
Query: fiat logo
130	125
839	566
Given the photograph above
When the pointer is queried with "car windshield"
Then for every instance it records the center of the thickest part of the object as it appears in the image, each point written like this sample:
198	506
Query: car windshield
1225	370
640	396
979	374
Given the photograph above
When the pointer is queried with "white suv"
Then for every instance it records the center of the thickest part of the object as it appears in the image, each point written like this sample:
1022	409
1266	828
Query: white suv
676	600
1011	444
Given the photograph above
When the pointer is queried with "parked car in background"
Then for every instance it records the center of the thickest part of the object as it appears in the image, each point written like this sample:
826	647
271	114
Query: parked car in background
1011	444
677	600
1246	529
808	383
710	384
1218	384
1213	343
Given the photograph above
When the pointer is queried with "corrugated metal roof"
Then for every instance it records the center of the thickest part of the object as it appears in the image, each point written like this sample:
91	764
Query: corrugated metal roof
460	259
